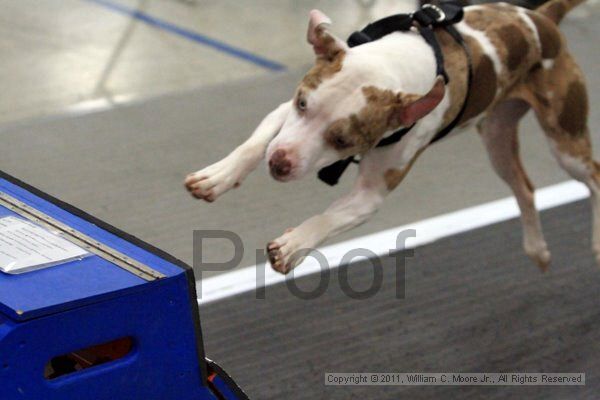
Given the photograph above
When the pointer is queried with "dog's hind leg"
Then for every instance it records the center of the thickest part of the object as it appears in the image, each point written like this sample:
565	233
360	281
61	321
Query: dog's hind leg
559	98
575	157
499	133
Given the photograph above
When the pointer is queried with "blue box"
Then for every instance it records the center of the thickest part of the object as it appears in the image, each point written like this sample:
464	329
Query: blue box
98	328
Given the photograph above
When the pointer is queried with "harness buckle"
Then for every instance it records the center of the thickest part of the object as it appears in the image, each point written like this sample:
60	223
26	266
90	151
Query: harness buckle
441	14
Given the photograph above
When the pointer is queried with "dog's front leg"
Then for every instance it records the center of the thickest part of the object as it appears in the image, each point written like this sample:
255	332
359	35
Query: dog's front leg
351	210
216	179
381	171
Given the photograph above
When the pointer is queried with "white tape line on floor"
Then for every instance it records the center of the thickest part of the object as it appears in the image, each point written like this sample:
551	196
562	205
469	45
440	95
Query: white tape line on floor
381	243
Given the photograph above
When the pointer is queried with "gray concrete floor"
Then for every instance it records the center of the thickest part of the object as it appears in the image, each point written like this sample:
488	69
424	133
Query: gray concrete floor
126	163
58	54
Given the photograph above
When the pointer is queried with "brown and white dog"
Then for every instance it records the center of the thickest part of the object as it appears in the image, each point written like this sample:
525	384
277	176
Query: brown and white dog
354	97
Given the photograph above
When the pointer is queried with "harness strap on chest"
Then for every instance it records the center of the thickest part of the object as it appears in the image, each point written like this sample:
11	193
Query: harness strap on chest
425	19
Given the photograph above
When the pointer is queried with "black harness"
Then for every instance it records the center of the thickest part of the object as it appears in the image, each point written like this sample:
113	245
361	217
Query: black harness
425	20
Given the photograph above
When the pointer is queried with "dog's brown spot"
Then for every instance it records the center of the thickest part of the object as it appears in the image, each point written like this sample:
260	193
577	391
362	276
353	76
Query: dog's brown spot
362	130
502	7
383	110
345	136
478	19
573	117
323	69
542	99
356	133
393	177
375	95
513	39
485	82
550	38
515	44
384	106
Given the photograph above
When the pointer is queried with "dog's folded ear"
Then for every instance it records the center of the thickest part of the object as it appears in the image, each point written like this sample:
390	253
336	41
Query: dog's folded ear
412	107
325	44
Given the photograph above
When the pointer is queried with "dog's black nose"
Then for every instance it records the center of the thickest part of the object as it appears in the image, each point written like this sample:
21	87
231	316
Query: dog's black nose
281	169
280	166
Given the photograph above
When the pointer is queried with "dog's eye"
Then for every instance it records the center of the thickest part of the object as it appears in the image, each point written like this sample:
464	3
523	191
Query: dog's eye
340	142
301	103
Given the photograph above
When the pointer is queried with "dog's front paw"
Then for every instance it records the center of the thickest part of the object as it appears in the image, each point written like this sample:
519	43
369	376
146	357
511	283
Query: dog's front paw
288	251
214	180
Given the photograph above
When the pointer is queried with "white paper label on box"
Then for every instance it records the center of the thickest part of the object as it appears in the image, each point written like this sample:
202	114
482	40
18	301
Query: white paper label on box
25	247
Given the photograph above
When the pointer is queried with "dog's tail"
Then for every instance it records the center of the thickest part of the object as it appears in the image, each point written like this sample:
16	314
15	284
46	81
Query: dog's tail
557	9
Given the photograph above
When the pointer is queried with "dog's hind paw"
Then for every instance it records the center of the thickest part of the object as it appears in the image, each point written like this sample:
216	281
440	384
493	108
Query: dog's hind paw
543	261
541	258
537	250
